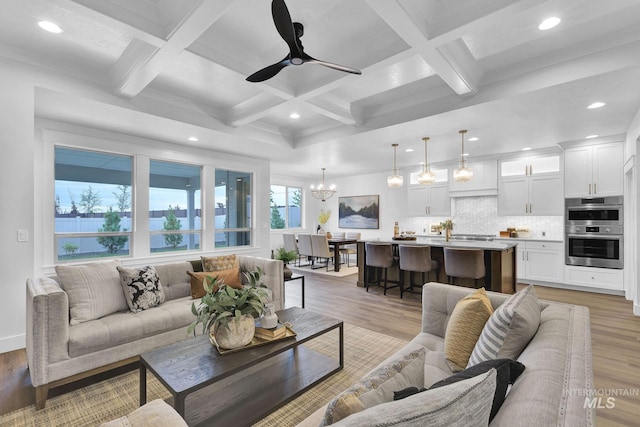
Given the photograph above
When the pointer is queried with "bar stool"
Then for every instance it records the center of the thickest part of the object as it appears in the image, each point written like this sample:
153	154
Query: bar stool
464	263
378	255
418	259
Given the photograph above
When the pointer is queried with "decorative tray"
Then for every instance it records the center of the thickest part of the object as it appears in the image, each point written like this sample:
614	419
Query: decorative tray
404	238
255	342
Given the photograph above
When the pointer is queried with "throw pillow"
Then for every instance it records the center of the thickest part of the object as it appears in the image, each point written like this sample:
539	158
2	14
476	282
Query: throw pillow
377	387
93	290
230	277
465	403
465	325
142	287
218	263
509	329
507	372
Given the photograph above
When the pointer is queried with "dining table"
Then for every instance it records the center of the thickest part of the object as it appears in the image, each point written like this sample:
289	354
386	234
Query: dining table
335	244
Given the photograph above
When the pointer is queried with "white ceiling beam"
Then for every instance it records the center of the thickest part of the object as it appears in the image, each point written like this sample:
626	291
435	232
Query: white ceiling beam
132	74
332	110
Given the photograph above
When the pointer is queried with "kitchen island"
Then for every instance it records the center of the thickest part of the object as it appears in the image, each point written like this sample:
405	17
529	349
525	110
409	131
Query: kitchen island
500	260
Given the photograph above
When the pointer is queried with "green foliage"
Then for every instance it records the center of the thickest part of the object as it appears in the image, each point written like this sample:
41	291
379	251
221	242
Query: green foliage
89	200
70	248
112	224
284	255
277	222
227	303
172	223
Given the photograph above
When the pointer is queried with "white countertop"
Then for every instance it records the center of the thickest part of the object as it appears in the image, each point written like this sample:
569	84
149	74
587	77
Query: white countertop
439	241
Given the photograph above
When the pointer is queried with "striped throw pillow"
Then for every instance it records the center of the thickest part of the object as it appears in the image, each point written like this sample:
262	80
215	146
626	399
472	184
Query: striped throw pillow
509	329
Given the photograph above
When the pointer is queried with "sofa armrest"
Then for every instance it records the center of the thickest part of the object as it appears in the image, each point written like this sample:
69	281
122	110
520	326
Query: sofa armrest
47	334
273	275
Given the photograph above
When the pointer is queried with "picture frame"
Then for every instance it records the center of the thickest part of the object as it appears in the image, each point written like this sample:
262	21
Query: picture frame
359	212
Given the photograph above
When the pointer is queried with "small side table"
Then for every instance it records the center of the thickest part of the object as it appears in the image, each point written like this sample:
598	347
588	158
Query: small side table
301	278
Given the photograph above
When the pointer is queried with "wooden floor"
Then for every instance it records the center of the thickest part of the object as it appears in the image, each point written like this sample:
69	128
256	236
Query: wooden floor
615	337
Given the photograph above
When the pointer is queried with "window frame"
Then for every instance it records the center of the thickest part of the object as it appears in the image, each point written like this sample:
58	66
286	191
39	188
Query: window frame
287	206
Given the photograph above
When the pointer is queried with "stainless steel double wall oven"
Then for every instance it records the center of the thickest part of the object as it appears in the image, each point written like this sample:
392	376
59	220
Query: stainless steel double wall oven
594	232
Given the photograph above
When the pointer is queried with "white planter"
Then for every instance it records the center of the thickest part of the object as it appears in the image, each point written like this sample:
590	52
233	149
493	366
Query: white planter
237	333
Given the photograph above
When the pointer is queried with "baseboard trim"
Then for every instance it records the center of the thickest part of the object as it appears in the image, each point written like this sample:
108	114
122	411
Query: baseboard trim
575	287
15	342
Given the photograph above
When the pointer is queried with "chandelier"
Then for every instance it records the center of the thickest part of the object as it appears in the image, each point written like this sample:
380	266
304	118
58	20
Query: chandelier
322	193
394	180
463	173
426	177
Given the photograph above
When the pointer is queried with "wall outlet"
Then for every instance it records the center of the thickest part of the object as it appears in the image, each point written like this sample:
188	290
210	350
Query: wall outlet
23	235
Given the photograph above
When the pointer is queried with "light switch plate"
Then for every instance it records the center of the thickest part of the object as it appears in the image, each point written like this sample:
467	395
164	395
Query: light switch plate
23	235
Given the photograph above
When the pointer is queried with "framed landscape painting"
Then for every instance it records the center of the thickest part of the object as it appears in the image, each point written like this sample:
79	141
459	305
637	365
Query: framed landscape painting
359	212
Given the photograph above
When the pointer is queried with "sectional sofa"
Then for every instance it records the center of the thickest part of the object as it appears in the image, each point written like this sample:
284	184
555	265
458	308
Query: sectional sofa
61	349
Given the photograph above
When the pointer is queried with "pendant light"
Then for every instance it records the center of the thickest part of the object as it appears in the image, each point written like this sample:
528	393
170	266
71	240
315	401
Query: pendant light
463	173
426	177
322	193
394	180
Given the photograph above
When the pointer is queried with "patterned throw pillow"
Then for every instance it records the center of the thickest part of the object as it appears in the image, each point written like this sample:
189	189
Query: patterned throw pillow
378	387
142	287
509	329
217	263
465	326
230	277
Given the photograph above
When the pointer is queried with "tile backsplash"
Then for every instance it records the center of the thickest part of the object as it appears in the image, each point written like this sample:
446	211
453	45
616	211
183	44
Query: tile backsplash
479	215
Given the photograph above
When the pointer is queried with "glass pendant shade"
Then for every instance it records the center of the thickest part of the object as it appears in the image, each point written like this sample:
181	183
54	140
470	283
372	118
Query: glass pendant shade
321	192
463	173
394	180
426	177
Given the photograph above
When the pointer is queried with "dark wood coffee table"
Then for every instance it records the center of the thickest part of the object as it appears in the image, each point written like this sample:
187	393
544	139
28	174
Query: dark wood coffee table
241	388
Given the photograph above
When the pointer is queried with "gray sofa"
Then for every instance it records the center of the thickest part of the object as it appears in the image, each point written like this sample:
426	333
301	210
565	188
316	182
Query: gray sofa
59	353
558	361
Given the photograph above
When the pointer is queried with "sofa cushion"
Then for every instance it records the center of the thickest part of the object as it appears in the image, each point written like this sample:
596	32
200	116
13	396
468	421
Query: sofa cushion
142	287
126	326
465	325
93	289
378	386
465	403
217	263
509	329
230	277
174	279
507	372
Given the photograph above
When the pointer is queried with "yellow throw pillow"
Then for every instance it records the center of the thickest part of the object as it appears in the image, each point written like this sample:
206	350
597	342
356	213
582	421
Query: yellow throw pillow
464	328
230	277
217	263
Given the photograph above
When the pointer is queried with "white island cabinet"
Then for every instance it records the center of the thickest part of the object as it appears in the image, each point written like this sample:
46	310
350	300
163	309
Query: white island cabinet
594	170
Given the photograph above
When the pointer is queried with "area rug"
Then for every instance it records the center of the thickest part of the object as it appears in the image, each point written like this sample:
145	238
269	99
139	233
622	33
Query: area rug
115	397
344	271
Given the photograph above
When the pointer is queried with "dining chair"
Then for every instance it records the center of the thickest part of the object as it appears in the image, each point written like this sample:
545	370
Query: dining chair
416	259
304	247
379	256
290	245
464	264
338	235
320	248
347	250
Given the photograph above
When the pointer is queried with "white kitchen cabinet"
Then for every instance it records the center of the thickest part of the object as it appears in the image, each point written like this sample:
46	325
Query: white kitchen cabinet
483	183
606	279
540	262
531	186
429	200
594	170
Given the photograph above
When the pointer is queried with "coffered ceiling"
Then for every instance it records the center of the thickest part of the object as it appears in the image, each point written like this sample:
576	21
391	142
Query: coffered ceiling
170	69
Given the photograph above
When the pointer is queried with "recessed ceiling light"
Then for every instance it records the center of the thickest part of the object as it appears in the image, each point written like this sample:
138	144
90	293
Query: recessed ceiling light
591	136
294	116
193	139
50	26
526	149
475	138
409	150
549	23
596	105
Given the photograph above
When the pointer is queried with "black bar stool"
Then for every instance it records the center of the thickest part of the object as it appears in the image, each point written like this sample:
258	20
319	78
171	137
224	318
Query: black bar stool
378	255
464	264
418	259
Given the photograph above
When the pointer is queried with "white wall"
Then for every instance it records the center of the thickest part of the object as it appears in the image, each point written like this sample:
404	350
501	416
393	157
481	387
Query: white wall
632	205
26	175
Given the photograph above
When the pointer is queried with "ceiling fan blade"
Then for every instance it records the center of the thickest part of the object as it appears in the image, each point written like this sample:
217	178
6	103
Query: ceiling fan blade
284	25
332	65
268	72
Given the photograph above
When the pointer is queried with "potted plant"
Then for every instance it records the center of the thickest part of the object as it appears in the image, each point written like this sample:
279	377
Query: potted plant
229	313
286	257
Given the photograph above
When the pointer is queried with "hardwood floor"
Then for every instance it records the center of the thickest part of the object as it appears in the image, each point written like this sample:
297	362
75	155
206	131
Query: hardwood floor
615	337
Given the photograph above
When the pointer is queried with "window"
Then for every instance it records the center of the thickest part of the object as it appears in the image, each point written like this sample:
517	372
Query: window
286	205
233	208
174	204
92	204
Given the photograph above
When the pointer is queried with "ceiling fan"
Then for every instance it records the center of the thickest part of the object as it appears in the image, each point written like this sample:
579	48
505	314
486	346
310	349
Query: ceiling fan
291	33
